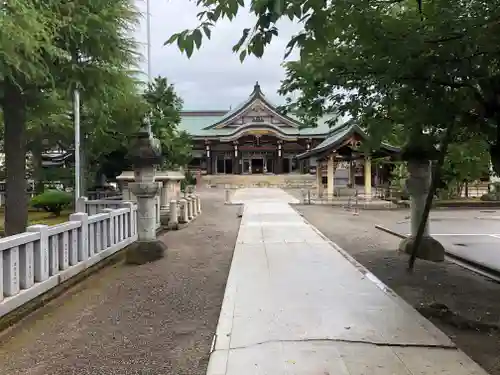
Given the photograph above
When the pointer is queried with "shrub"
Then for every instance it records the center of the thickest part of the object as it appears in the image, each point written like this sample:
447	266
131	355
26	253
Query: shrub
190	179
53	201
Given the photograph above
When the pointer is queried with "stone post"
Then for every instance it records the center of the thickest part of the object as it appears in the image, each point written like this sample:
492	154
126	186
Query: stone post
193	206
197	204
189	202
173	222
145	156
228	196
81	204
418	184
183	213
164	202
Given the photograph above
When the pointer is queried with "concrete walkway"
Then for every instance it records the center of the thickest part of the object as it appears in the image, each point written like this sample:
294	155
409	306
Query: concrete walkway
296	304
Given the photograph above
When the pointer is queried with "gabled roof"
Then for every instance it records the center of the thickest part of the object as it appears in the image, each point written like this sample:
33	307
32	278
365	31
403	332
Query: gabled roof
256	94
340	134
212	123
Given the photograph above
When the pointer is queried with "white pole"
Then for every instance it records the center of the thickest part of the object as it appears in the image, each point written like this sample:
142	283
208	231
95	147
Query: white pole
76	116
148	33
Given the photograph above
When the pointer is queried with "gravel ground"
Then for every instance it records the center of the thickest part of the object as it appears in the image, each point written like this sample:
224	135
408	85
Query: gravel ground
470	296
152	319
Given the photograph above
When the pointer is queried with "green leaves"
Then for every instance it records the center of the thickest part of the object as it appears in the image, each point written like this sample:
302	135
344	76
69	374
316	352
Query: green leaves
188	40
165	106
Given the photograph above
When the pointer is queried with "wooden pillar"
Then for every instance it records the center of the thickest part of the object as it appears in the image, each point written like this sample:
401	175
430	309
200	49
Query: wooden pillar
236	160
209	159
319	178
351	174
279	159
330	185
368	176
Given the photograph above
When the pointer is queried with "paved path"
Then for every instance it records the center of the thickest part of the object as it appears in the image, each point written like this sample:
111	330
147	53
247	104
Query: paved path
296	304
475	239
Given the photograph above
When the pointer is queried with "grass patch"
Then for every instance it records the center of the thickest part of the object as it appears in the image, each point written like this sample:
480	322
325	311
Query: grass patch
40	217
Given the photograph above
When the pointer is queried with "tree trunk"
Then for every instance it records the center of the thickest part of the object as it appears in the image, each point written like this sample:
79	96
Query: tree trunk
419	173
16	202
422	244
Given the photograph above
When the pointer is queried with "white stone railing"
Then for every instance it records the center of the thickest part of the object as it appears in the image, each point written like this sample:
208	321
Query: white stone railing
33	262
93	207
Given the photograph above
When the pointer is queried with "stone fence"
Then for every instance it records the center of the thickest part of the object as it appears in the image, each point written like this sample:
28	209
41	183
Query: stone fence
33	262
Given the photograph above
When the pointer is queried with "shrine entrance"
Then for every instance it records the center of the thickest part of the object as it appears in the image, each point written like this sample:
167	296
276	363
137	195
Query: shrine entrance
258	165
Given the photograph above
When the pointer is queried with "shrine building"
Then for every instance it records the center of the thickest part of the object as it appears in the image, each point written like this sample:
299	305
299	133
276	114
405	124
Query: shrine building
255	138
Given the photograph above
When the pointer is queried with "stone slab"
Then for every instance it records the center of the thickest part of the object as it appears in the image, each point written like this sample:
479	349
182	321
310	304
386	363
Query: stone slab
475	239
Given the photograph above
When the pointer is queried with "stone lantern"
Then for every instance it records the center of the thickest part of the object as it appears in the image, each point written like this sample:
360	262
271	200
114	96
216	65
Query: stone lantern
145	156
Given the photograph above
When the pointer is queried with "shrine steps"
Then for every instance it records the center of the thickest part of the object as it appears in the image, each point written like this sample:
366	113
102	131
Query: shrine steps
290	181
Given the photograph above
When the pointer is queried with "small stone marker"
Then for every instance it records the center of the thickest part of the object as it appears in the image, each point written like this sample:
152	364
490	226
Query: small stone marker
190	212
183	214
173	223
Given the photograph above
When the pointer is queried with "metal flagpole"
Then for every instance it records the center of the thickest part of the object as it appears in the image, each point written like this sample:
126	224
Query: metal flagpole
148	36
148	33
76	118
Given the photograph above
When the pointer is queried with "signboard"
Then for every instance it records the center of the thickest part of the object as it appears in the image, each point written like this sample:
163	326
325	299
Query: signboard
260	132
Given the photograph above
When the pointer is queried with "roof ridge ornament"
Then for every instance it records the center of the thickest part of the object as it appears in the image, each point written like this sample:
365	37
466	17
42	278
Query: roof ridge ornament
256	87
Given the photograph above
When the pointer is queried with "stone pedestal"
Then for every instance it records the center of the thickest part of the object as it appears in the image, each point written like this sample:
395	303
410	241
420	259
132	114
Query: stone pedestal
418	184
147	248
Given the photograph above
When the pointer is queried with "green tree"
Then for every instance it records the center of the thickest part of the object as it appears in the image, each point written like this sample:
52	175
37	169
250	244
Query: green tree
109	119
28	31
165	107
433	72
53	44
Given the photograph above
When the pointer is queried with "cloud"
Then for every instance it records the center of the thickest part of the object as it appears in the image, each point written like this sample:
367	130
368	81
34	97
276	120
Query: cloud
213	78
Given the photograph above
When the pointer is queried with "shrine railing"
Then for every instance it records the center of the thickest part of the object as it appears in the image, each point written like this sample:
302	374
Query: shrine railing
33	262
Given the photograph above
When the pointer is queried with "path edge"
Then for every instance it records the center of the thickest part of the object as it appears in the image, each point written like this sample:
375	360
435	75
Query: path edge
405	306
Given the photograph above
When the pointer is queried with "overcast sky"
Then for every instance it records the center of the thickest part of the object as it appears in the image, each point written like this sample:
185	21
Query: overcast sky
213	78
